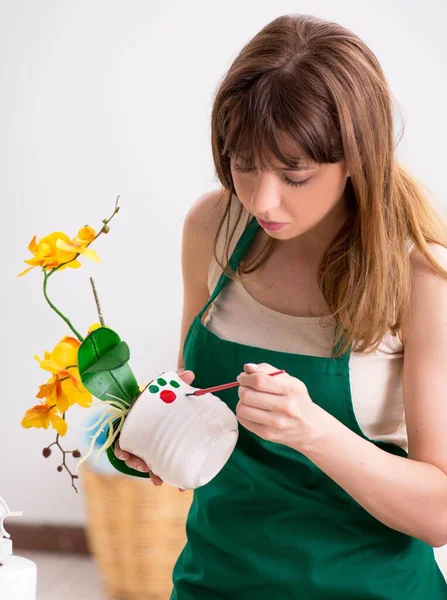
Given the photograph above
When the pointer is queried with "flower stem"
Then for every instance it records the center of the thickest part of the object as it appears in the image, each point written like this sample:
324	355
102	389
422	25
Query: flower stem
48	274
45	281
105	222
98	306
64	464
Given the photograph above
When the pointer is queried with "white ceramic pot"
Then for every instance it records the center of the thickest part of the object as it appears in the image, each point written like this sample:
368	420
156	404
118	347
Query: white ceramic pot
185	440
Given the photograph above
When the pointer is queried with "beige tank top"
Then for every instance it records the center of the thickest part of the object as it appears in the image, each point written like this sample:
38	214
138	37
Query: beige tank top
376	377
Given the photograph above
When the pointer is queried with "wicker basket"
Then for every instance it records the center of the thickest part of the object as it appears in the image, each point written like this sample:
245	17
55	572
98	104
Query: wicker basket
136	532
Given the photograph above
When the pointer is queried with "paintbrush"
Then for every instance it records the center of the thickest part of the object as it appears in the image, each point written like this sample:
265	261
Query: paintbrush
224	386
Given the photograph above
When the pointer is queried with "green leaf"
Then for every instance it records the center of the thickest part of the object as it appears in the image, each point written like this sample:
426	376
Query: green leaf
119	464
103	366
117	357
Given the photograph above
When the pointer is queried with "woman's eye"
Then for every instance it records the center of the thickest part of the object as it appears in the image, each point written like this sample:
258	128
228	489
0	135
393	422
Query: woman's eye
286	179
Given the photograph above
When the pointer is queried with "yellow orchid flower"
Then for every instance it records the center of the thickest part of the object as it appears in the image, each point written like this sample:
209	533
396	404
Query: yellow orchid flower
48	255
64	392
79	244
63	355
94	327
44	415
64	388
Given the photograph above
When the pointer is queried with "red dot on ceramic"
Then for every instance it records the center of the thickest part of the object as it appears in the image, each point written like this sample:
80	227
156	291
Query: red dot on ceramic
168	396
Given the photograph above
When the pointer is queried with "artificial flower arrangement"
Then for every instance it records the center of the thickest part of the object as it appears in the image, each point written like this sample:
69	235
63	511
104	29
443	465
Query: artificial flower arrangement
53	253
148	418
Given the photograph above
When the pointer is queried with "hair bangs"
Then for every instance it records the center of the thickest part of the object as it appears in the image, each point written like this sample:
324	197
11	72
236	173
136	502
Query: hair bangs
274	122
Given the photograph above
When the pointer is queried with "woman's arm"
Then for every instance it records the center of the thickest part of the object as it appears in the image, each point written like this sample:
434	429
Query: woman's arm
199	232
407	494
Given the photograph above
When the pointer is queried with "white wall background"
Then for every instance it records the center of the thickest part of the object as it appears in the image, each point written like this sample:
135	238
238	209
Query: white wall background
100	98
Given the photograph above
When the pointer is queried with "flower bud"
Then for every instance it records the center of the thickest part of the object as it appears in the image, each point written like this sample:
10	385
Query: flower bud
59	468
46	452
76	454
105	229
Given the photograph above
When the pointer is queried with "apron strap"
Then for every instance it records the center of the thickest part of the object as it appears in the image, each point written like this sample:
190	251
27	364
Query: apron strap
241	248
238	253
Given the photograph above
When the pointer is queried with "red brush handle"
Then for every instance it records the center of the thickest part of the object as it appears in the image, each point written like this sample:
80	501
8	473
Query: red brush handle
225	386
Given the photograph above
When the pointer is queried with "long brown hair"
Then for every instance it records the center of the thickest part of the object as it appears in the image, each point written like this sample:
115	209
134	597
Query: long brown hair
321	85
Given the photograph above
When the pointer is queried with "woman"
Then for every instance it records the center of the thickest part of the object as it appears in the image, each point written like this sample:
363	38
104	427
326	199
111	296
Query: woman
337	487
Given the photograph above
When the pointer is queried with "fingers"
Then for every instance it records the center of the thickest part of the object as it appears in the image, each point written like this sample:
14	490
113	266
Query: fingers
260	415
133	462
119	453
260	368
260	380
156	480
256	367
187	376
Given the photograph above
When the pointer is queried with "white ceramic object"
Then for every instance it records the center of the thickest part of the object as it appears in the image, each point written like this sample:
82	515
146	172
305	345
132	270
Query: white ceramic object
185	440
18	576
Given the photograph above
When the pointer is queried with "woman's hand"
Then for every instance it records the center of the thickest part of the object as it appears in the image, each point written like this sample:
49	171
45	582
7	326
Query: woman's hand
133	462
278	409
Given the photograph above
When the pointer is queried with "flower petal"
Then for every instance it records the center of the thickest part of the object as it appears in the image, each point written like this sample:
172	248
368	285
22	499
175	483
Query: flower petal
63	400
48	365
65	352
89	253
74	264
77	394
47	389
26	271
37	416
33	247
59	424
67	246
86	235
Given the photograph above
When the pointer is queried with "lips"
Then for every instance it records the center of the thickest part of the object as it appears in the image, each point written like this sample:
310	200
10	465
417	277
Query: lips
270	225
270	222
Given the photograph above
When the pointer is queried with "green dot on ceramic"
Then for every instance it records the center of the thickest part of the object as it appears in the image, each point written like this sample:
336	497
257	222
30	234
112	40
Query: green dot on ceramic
174	383
153	389
161	381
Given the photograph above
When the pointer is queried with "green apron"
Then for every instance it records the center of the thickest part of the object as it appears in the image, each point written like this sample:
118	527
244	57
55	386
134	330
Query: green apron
272	525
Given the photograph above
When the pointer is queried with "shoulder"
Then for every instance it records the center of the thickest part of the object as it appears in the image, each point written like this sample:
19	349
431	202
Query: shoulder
200	226
420	264
428	287
428	297
202	222
201	232
206	212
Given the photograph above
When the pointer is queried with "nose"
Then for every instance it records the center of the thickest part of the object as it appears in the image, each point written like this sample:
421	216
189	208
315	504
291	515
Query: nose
265	198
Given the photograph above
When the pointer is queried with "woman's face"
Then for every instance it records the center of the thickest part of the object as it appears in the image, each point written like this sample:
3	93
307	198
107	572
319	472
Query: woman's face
307	199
